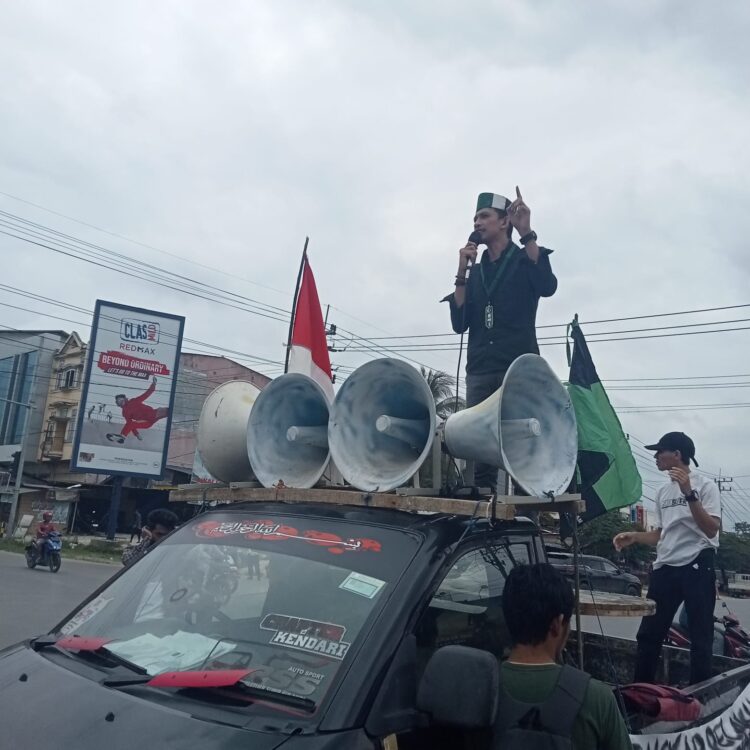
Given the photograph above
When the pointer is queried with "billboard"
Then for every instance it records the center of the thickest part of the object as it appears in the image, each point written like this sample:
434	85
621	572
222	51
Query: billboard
638	515
128	395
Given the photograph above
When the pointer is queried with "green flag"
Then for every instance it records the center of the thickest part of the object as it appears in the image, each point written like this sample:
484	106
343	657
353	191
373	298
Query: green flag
608	477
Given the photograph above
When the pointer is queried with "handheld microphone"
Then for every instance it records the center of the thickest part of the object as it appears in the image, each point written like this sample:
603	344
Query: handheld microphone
475	237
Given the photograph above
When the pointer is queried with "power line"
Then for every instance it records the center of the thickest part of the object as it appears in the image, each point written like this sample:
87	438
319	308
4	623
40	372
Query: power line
86	324
151	278
680	407
126	268
278	291
586	322
139	243
37	230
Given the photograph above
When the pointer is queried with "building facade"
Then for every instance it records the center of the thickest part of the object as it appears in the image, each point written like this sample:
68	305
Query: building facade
62	402
26	368
199	375
45	370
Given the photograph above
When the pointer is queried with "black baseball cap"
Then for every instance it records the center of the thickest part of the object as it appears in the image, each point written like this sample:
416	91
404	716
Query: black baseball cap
675	441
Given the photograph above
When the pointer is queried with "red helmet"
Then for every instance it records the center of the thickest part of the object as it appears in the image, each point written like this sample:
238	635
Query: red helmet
47	515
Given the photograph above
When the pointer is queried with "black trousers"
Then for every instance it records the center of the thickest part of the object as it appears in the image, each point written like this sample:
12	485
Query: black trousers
478	388
694	584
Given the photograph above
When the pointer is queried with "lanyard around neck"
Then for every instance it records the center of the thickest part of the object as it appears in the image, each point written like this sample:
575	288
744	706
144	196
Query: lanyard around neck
509	251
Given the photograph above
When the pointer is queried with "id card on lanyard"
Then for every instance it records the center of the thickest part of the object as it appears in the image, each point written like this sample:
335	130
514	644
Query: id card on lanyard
489	310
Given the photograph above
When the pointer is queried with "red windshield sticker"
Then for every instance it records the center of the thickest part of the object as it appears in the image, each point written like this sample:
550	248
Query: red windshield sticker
311	636
269	530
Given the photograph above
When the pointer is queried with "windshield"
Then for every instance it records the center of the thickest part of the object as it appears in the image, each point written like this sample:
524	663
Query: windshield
284	597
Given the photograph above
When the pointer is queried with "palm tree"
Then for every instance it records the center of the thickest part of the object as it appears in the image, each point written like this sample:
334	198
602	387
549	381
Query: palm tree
441	386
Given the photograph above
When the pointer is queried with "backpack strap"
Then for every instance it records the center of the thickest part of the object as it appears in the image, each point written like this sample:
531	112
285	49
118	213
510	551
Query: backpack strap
556	715
561	709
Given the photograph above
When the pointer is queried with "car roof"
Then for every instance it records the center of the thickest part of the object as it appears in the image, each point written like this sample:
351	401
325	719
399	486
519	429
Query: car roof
447	527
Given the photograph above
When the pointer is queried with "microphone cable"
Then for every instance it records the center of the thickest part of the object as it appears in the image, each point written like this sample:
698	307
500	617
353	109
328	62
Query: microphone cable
474	237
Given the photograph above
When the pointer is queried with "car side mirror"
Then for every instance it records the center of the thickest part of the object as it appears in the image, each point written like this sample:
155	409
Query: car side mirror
460	687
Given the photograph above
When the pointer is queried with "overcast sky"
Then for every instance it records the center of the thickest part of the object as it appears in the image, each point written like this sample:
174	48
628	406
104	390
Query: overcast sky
222	134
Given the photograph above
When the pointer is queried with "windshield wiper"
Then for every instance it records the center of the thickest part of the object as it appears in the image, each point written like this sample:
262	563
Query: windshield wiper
213	680
87	648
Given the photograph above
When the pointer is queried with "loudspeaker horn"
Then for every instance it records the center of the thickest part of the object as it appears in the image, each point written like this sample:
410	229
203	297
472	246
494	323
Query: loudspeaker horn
382	425
287	433
527	427
222	431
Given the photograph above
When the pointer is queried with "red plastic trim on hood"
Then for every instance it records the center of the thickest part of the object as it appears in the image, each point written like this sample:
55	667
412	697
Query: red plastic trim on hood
81	643
200	678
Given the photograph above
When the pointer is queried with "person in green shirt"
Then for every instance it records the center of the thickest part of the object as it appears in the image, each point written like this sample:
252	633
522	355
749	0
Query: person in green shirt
538	604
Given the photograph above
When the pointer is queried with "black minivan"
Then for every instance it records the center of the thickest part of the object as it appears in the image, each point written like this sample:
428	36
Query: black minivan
598	572
320	642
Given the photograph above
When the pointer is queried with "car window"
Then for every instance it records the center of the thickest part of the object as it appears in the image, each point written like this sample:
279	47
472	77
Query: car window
592	563
466	608
286	598
610	568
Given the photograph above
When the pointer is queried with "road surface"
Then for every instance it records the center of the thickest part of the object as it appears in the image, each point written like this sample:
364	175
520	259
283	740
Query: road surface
32	601
627	627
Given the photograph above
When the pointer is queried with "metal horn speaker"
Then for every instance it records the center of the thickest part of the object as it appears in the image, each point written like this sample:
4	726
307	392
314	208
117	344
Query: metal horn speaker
528	427
382	425
287	433
222	431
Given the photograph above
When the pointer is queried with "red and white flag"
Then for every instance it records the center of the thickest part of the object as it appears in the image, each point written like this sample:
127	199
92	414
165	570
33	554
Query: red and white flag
308	350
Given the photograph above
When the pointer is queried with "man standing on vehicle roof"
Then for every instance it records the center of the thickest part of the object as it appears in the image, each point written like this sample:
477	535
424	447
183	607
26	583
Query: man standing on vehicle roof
497	301
537	694
688	512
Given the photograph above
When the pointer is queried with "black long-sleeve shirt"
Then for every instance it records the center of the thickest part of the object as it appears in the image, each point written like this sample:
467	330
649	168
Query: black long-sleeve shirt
514	300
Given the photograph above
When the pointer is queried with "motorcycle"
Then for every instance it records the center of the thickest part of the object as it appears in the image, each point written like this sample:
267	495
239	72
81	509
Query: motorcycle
730	639
223	577
46	552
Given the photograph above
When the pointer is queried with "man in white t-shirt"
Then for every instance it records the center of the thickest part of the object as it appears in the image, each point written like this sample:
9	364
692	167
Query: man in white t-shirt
688	512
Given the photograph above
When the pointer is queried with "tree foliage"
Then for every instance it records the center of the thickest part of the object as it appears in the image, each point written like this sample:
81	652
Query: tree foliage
596	536
734	552
441	386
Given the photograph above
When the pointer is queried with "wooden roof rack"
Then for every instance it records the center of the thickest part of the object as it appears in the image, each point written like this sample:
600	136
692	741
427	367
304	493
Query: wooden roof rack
506	508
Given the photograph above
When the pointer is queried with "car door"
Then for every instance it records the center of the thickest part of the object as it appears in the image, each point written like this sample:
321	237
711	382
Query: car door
466	610
593	570
615	580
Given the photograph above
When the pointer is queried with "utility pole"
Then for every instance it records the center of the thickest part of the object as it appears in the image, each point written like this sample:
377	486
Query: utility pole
724	485
19	470
114	506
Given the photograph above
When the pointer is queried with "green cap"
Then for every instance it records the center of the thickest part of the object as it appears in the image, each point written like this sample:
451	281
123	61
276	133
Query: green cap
492	200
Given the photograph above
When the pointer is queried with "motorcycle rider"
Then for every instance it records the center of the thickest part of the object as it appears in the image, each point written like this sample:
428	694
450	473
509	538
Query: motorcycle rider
44	528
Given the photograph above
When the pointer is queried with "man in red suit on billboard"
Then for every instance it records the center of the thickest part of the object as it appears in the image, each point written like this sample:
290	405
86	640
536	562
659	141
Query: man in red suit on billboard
139	415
